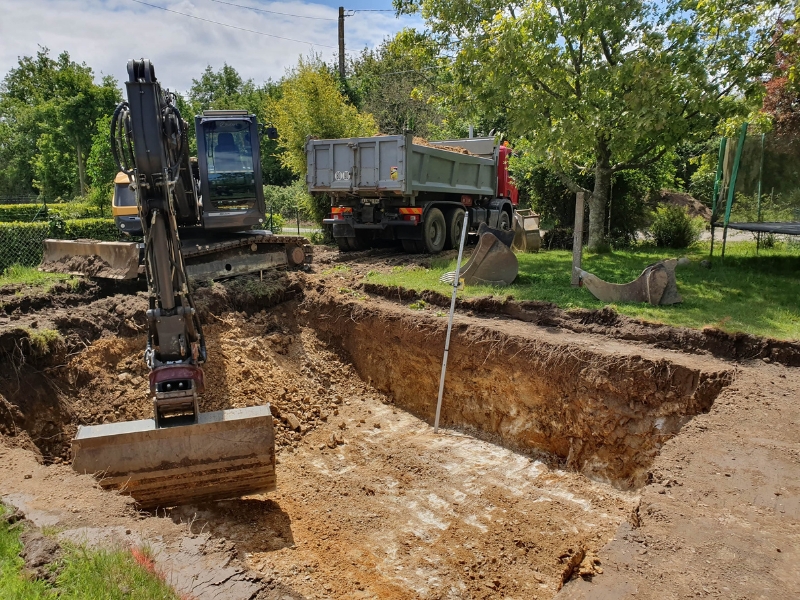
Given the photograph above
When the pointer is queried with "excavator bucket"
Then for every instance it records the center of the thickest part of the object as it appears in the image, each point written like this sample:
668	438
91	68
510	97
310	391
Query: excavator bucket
492	263
526	231
90	258
225	454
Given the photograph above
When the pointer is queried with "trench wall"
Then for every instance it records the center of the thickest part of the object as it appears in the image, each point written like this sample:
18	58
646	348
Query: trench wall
606	413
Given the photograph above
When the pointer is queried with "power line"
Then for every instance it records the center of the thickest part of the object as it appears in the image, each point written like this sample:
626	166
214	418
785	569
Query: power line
232	26
273	12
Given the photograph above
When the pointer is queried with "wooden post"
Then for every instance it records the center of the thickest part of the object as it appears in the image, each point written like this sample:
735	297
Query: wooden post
577	239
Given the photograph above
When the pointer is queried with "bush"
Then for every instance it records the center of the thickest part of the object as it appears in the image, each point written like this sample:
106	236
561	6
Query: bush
93	229
76	210
278	223
22	212
672	227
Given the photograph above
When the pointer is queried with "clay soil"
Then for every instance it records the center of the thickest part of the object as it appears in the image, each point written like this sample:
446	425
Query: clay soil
582	448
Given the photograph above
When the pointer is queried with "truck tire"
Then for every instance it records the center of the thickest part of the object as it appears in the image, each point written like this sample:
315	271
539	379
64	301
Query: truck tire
504	221
455	223
434	231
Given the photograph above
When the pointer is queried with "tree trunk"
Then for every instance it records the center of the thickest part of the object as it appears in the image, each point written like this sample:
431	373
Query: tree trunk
81	171
599	200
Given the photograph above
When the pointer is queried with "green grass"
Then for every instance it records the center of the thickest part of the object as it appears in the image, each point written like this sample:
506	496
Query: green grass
749	293
85	574
31	277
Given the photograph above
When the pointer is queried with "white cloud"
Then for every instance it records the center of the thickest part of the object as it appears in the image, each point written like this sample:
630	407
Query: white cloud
106	33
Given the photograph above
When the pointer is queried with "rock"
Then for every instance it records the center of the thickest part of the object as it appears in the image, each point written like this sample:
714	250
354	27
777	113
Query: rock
123	377
377	425
706	264
338	438
342	425
137	380
332	441
293	421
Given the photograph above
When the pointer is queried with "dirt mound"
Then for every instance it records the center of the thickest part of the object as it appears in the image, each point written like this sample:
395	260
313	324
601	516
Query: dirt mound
423	142
89	266
694	207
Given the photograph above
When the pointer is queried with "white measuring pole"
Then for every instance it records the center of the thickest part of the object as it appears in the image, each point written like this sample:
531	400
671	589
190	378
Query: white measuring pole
450	321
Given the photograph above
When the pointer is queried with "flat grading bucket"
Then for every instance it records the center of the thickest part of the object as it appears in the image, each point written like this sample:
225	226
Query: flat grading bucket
526	231
226	454
492	263
90	258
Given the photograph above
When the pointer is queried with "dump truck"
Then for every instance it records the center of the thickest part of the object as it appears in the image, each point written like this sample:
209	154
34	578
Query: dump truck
396	187
196	218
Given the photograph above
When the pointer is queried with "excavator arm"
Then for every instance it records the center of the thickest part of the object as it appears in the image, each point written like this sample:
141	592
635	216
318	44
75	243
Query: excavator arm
149	142
181	455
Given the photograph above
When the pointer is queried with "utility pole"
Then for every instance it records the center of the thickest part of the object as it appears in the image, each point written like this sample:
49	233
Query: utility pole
341	43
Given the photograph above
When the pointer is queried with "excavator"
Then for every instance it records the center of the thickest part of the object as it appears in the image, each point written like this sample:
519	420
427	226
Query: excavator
196	219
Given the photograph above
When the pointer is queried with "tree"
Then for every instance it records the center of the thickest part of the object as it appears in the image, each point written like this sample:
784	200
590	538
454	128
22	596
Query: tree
397	83
312	105
604	87
51	107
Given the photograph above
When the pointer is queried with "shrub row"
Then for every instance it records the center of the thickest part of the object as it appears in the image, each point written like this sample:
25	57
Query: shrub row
10	213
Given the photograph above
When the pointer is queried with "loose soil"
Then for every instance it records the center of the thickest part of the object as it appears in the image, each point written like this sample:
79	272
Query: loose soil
649	465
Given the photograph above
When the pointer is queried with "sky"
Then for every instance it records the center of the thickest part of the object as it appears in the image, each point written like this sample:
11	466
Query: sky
106	33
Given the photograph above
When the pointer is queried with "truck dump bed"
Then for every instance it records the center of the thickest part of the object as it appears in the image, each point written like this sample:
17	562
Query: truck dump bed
392	164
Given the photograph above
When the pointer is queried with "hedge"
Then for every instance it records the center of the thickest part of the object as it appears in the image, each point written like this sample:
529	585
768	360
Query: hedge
22	212
77	210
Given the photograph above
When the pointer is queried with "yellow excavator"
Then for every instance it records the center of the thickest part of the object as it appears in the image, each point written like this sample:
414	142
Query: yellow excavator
197	221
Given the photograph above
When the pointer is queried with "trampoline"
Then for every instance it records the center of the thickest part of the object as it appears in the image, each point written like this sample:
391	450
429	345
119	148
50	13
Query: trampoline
758	179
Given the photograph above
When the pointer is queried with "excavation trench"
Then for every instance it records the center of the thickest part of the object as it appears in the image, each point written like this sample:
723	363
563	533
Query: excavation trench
603	407
371	503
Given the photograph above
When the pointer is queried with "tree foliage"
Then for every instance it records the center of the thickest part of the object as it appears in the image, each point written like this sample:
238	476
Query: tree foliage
397	83
48	108
226	89
312	105
604	87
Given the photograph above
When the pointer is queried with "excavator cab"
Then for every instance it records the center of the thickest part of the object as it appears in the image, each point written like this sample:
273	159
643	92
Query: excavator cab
230	170
123	206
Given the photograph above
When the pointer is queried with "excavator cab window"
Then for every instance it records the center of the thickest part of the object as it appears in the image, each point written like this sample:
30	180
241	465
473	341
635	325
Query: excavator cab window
229	154
124	196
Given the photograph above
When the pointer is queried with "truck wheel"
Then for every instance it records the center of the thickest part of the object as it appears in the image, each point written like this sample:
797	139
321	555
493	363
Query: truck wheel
455	223
343	245
434	232
504	222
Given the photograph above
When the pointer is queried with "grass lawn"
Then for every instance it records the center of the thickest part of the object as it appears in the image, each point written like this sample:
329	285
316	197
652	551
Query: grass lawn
84	575
750	293
32	278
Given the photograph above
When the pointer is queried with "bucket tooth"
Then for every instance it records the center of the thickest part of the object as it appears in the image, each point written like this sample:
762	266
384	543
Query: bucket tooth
226	454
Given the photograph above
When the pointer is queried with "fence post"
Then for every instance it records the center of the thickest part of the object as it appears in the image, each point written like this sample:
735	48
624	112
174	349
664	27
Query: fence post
577	239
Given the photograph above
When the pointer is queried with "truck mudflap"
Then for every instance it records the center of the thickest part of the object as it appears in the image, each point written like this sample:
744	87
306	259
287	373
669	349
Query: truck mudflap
108	260
226	454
